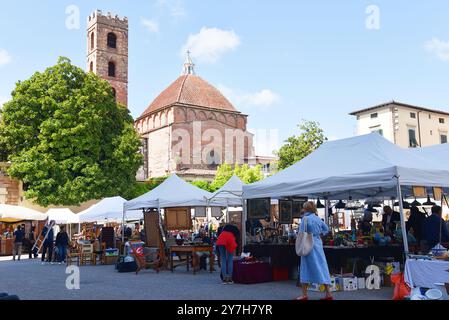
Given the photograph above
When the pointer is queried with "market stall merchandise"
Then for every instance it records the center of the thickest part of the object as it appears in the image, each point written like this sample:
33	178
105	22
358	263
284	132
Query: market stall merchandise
191	252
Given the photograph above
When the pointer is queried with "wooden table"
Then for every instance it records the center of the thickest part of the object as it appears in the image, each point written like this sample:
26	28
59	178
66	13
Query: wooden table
191	252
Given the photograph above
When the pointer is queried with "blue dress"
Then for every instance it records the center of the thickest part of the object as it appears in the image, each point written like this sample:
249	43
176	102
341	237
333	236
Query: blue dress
314	267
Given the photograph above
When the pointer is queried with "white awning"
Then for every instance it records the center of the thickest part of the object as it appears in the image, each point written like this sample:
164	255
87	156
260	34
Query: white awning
109	209
62	216
10	213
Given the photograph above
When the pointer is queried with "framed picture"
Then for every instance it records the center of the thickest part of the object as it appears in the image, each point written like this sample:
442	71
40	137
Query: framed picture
297	207
200	212
259	208
437	193
419	192
216	212
285	211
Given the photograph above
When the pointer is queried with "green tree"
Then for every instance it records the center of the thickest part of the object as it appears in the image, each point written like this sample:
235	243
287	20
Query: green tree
67	138
297	148
244	172
202	184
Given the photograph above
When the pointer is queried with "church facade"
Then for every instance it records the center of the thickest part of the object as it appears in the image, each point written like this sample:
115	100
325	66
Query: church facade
189	129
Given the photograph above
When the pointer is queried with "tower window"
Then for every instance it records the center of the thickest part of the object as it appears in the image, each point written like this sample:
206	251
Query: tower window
92	41
111	69
91	66
112	40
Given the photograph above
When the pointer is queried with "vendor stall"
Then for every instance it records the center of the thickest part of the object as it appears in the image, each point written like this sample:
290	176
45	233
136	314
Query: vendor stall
385	171
426	273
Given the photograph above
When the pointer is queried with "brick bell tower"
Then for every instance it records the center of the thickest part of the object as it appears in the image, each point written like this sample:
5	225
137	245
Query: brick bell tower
107	51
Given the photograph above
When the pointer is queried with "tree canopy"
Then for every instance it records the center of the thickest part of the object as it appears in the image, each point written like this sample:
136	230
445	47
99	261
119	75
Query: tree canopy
297	148
67	138
244	172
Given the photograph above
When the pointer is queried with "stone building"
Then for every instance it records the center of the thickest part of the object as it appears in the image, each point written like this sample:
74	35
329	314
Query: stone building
10	189
406	125
107	51
190	129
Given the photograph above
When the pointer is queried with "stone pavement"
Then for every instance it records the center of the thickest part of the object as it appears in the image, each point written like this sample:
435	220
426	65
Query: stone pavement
32	281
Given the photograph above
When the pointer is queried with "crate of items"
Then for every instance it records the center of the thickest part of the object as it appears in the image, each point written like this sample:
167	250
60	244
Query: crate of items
348	283
335	286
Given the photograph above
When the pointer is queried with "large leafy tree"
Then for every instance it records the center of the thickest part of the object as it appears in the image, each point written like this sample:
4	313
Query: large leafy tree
67	138
297	148
244	172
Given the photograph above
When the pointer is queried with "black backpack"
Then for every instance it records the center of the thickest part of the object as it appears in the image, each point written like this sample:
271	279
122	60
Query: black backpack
123	266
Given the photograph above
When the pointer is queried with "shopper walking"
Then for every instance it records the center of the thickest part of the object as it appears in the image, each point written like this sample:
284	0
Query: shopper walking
18	241
314	267
227	243
62	242
48	243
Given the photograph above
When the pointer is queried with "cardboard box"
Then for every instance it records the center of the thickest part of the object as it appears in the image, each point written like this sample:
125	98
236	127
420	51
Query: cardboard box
348	283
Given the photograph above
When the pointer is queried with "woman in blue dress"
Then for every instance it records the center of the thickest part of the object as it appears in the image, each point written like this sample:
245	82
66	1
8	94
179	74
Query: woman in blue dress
314	267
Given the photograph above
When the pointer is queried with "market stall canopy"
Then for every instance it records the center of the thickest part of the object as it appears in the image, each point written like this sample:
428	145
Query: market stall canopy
9	213
110	209
360	167
174	192
230	194
438	153
62	216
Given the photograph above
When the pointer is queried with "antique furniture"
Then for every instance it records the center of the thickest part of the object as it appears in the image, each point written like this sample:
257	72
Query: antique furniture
87	255
191	251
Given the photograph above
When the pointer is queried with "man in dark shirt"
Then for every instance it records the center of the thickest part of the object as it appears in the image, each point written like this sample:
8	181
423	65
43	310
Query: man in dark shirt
62	242
48	243
389	220
435	229
18	241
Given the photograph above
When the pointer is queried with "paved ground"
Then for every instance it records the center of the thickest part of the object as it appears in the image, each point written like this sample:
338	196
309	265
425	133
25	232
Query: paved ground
32	281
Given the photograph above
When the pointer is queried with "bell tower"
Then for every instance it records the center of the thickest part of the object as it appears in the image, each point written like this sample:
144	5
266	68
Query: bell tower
107	51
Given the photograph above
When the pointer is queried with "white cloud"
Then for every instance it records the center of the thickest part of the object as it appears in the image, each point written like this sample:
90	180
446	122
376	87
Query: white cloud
261	99
175	8
5	57
210	44
439	48
151	25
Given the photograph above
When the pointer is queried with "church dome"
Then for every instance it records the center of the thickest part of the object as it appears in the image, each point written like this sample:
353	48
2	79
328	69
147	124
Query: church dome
190	90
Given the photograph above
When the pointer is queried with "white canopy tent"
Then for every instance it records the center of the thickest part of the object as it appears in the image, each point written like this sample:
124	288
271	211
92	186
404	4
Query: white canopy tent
361	167
63	216
10	213
230	195
174	192
108	209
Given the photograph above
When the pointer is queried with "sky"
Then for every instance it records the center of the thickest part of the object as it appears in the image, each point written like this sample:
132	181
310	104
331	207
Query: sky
279	62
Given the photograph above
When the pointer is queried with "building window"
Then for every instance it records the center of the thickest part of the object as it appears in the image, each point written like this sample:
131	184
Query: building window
112	40
443	138
431	132
111	69
378	131
374	115
412	115
441	120
91	66
430	116
412	138
92	41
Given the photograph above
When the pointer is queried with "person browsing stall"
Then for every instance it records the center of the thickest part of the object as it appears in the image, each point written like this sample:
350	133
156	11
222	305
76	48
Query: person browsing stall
227	243
416	223
62	242
434	228
18	241
389	220
314	269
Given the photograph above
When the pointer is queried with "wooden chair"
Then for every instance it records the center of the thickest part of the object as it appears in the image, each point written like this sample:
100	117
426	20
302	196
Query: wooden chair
73	254
87	255
148	260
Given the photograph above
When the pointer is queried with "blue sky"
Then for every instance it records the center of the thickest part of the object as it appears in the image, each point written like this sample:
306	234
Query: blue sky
278	61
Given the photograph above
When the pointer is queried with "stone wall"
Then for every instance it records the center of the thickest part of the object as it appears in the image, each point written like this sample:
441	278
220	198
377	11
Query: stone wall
10	190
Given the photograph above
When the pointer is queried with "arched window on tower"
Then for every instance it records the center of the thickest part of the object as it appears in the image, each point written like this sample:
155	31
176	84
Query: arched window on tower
92	41
91	66
112	40
111	69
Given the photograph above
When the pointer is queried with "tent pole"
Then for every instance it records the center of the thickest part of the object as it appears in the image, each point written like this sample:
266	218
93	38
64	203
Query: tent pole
123	224
326	211
402	215
244	215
